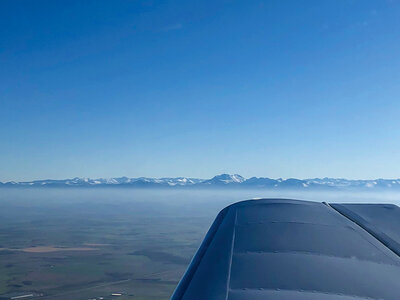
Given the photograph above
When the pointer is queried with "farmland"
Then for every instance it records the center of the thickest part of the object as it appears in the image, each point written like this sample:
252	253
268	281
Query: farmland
84	244
90	243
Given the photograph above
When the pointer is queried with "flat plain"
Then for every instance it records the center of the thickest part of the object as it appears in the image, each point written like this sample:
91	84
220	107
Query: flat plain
86	244
91	243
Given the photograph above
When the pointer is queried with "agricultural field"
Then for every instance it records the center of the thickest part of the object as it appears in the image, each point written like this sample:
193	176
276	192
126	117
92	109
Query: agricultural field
87	244
90	243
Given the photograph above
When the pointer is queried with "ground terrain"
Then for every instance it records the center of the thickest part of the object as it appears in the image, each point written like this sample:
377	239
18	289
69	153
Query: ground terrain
89	243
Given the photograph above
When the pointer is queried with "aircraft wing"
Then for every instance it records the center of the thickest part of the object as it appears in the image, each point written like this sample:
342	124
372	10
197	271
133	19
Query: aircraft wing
289	249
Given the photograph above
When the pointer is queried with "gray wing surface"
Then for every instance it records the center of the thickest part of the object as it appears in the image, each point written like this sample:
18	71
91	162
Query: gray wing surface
380	220
290	249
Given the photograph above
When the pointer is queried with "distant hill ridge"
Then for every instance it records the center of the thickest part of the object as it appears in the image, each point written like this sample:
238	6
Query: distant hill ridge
219	181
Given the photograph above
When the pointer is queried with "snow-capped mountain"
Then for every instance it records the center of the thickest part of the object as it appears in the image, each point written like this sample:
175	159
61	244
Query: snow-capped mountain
120	181
224	179
219	181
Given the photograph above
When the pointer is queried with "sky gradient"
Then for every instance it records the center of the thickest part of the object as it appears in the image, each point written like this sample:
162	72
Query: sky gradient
196	88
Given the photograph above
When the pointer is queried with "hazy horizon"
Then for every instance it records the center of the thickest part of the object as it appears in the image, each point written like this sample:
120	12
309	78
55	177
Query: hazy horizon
193	177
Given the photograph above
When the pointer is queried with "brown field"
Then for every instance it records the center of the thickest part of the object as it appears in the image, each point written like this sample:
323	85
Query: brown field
45	249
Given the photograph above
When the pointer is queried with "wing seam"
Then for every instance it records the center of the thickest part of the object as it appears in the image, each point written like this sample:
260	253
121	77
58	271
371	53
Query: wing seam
228	283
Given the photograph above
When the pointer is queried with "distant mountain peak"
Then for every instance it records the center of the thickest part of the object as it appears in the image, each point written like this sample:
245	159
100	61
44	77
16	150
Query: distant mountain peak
225	179
222	180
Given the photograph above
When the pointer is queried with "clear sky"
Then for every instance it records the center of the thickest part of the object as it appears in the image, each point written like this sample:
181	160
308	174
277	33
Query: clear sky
196	88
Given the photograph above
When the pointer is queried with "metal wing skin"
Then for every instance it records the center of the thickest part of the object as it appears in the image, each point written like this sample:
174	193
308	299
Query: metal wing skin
290	249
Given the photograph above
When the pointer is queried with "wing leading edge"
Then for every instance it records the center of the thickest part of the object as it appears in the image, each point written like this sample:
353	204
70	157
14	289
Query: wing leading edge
291	249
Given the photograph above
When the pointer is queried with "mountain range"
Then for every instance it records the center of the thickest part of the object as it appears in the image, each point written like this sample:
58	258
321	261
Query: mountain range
219	181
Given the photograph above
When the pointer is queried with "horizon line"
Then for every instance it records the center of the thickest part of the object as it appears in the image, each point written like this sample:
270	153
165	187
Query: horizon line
196	178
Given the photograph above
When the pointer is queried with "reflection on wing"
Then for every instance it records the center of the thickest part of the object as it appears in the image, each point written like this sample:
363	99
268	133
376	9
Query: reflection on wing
290	249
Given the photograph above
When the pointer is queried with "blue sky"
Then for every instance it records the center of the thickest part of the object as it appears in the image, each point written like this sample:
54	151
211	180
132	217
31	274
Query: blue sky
195	88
